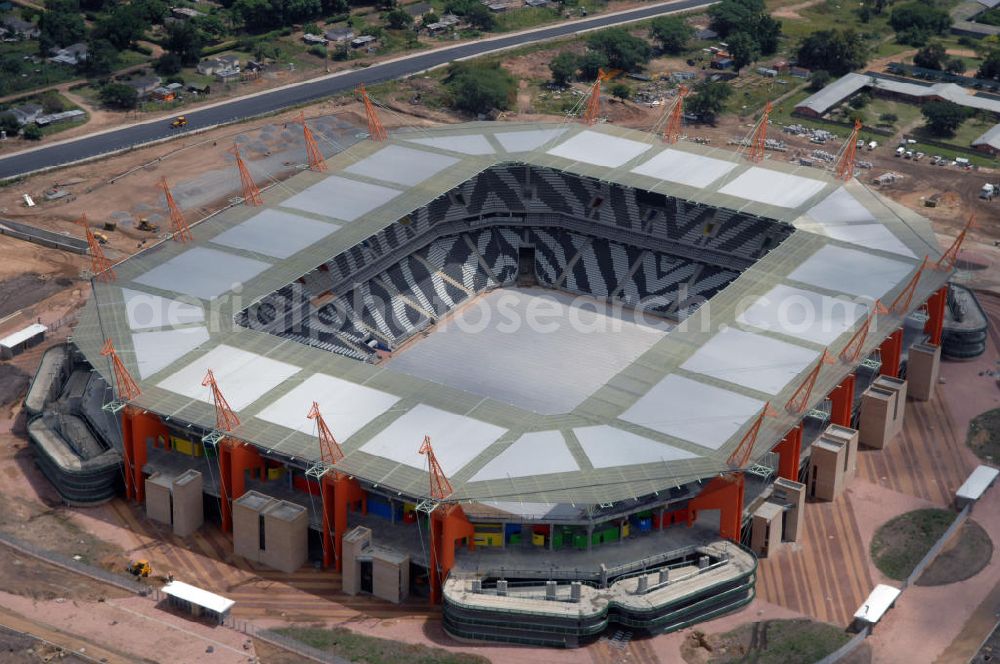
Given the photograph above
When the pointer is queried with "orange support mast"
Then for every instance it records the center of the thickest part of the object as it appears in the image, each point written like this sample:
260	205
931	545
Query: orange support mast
950	256
845	162
758	142
126	389
135	426
100	265
231	462
440	486
225	418
741	455
251	194
593	109
316	160
902	302
375	129
852	351
800	399
178	226
672	133
329	449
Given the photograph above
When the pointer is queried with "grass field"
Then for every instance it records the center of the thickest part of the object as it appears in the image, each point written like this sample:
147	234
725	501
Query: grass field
902	542
371	650
984	435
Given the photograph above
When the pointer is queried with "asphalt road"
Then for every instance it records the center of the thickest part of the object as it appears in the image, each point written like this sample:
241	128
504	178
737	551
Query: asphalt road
267	102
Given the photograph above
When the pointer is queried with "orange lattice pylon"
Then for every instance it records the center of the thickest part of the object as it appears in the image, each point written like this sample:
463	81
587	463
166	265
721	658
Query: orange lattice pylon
845	162
800	399
100	265
901	304
375	129
126	389
852	351
440	486
740	456
593	110
675	116
316	160
251	194
178	226
225	417
950	257
330	451
758	141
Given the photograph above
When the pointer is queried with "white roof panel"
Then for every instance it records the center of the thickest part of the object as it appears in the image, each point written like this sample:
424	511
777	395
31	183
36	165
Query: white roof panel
145	310
341	198
536	453
773	187
840	207
275	233
456	439
23	335
524	141
466	144
693	411
685	168
345	406
202	272
607	447
592	147
401	165
873	236
750	360
197	596
802	314
852	272
879	601
977	483
242	376
155	350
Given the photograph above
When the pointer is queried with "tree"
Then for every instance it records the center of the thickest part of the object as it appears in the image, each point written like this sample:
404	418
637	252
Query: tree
819	79
836	51
61	25
859	101
481	17
955	66
429	17
169	63
212	26
398	19
915	21
767	31
312	29
943	117
123	26
747	16
563	67
743	50
119	95
32	132
888	118
9	123
990	67
480	87
591	63
622	50
931	56
185	41
102	58
709	99
621	91
672	32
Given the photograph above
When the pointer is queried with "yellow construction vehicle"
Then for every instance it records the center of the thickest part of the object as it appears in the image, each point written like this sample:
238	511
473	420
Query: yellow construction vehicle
179	121
144	225
101	237
140	568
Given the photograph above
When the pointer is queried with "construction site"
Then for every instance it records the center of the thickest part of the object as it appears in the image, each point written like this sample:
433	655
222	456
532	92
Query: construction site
544	381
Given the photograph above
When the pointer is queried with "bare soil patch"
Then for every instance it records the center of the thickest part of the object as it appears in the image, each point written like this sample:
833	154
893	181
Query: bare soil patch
19	648
13	383
968	552
984	435
30	577
770	642
27	289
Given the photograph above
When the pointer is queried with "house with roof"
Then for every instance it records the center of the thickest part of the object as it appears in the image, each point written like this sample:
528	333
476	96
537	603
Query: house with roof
26	113
310	38
364	41
71	55
144	85
989	142
18	27
339	35
220	64
185	13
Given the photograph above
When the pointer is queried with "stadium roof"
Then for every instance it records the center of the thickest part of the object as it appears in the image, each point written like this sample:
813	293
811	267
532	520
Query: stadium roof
671	416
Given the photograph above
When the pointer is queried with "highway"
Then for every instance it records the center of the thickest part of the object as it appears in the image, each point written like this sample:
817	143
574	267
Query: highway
93	145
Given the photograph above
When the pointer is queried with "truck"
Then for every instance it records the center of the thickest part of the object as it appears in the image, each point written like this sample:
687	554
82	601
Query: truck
988	191
900	151
872	145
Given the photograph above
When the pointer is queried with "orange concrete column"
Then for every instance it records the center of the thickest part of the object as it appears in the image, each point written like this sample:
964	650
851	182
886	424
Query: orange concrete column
724	493
936	303
891	349
448	526
789	451
842	398
346	492
146	428
225	452
244	458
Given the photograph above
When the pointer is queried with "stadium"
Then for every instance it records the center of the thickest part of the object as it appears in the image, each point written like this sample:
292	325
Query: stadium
552	376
